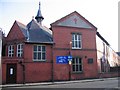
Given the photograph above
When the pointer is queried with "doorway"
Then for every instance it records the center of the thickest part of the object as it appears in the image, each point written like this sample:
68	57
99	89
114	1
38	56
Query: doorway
11	73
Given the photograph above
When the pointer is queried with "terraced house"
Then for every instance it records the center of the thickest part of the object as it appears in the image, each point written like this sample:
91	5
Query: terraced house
69	50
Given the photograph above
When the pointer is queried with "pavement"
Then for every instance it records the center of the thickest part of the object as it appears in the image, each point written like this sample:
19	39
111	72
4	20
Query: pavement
58	82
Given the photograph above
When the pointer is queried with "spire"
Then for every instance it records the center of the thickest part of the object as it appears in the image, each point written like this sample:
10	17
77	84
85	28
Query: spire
39	16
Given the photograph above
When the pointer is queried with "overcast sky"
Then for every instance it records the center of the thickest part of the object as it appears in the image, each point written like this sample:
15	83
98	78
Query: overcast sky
101	13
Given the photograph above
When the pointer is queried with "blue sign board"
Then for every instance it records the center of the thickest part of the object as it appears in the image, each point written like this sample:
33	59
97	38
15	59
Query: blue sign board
69	58
63	59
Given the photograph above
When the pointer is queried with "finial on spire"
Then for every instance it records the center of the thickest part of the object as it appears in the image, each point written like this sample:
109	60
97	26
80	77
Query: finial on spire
39	5
39	16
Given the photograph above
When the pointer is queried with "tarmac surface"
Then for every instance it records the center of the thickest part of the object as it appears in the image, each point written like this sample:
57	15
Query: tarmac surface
60	82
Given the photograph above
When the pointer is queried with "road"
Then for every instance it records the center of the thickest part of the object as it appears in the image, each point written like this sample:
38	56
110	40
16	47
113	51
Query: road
107	83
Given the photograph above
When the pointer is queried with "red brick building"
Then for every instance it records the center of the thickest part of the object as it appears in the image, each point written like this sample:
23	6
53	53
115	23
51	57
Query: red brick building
34	53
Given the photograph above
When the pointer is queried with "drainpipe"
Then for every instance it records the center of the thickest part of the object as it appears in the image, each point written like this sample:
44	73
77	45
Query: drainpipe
53	63
23	74
23	67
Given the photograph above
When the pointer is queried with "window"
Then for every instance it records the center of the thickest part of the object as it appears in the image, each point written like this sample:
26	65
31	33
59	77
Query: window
19	50
76	41
39	53
10	51
11	71
77	65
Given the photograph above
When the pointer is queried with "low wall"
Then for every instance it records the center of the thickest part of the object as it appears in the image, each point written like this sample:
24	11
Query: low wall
109	74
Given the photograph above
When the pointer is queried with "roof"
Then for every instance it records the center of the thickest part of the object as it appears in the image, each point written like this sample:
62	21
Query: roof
35	32
118	53
23	28
74	19
101	37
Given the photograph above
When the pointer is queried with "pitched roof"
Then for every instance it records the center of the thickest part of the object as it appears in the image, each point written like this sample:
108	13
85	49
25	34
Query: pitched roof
118	53
36	33
101	37
22	28
74	19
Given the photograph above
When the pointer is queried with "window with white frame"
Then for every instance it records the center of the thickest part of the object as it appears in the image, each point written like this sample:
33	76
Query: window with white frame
76	41
10	51
77	64
39	53
19	50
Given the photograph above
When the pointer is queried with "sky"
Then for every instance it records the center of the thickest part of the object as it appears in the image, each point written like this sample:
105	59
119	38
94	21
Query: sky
101	13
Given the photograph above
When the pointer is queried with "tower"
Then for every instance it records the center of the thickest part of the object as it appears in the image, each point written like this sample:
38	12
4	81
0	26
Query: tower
39	16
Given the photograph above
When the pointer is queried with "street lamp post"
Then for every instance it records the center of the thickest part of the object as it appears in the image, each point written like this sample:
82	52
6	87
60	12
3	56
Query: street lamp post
70	61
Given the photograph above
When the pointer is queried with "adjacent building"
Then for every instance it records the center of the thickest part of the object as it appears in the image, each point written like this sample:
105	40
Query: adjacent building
69	50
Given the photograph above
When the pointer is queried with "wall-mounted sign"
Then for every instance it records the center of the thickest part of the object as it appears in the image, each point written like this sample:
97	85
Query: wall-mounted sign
69	58
63	59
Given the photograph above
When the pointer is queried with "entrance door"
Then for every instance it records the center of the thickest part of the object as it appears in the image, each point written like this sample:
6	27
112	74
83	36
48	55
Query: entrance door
11	73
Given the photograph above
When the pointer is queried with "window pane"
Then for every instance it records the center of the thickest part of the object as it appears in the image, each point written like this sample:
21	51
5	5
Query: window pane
78	37
43	48
18	55
18	50
73	67
35	48
72	43
73	61
79	45
80	60
77	68
39	56
43	56
35	55
80	67
39	48
73	37
77	60
19	46
76	44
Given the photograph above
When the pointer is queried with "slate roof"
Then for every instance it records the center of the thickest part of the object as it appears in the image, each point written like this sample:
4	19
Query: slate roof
118	53
36	33
39	15
22	28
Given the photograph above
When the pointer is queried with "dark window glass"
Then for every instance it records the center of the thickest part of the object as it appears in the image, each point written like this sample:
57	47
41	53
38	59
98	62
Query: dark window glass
77	64
35	48
39	53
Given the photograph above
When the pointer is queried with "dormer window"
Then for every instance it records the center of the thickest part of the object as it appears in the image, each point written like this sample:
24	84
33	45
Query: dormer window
10	51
